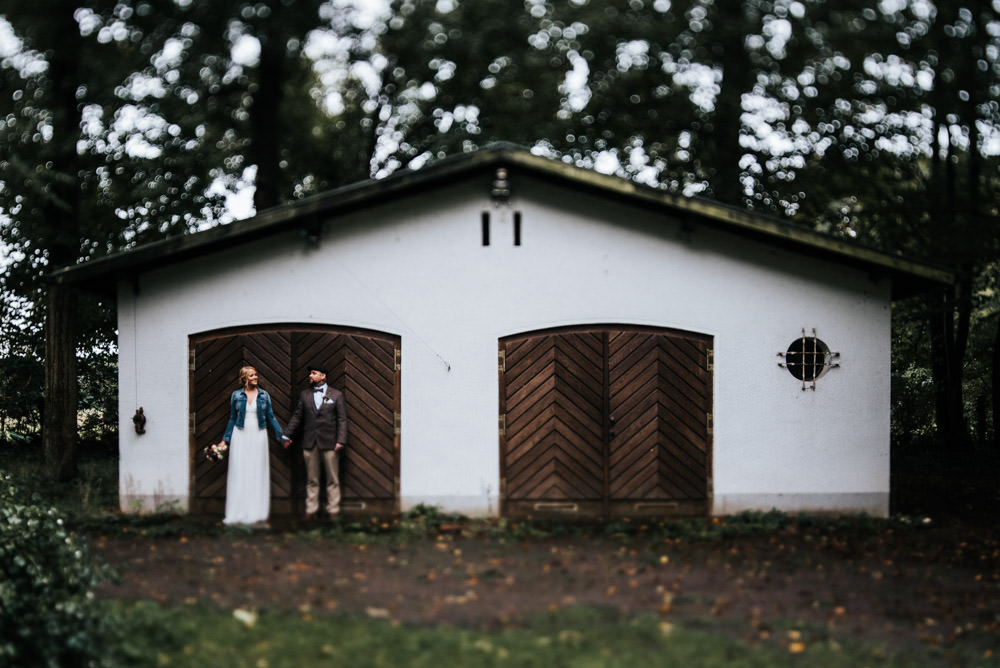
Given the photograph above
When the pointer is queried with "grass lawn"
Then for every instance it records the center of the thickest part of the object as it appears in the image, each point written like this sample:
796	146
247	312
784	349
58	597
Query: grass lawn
203	636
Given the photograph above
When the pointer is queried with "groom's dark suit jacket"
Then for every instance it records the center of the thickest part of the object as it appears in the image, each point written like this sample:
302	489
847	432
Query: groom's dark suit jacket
322	428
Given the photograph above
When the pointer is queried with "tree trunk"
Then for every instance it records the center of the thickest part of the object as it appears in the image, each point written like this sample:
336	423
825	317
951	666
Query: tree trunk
963	316
996	386
62	216
265	121
59	422
950	315
727	123
946	365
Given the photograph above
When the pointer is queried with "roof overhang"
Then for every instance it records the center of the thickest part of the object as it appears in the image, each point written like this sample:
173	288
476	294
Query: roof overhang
102	275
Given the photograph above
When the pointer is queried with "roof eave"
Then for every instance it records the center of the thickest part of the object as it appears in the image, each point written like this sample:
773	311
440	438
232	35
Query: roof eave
908	277
101	275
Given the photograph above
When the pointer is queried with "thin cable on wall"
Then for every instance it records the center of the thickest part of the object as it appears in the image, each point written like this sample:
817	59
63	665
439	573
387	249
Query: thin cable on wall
139	418
135	349
382	303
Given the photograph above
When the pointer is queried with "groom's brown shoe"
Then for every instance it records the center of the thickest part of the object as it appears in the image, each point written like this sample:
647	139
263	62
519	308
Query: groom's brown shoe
309	517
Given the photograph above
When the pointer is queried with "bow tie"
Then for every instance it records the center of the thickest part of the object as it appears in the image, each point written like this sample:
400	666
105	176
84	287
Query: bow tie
318	389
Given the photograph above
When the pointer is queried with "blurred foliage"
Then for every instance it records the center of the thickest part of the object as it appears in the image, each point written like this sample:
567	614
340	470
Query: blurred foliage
49	615
93	494
912	382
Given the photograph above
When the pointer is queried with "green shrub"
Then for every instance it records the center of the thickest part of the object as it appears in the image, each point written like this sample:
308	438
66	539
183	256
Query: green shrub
49	615
91	494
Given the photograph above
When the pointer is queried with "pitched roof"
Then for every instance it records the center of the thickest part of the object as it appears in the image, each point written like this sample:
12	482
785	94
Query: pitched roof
908	277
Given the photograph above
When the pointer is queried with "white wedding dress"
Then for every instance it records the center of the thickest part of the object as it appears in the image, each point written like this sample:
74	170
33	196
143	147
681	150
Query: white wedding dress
248	484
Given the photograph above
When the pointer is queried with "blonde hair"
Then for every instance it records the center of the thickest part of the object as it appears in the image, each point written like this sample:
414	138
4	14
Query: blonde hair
245	373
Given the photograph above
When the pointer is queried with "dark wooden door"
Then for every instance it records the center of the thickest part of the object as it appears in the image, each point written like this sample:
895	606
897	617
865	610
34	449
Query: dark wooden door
610	421
362	364
553	455
659	408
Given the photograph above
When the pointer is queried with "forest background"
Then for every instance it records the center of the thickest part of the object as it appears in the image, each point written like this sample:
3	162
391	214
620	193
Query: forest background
126	121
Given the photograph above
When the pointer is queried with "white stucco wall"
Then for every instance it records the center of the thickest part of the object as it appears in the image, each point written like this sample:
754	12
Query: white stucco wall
417	268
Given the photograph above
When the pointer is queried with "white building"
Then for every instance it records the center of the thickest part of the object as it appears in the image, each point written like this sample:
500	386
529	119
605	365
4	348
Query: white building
518	336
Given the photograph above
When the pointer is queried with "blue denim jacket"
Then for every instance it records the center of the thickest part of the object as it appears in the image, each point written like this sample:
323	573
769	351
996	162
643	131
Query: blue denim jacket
238	413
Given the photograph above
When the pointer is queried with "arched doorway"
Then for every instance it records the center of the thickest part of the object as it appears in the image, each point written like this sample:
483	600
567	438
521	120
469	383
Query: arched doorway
363	364
605	421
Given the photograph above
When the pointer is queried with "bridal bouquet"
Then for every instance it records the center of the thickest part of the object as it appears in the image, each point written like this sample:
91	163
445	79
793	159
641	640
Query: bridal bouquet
216	451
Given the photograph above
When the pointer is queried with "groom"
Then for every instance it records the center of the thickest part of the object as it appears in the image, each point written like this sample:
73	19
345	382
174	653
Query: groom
322	415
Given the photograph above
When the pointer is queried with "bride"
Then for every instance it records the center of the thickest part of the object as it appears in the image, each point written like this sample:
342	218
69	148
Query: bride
248	484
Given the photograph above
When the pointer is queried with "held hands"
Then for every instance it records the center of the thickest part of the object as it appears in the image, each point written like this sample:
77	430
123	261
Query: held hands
285	441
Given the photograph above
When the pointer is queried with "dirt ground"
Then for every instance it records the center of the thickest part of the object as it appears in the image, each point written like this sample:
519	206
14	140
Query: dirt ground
932	583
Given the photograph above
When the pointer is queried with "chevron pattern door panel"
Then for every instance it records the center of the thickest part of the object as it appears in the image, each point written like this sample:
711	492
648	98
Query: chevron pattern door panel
269	353
659	405
608	421
211	384
555	444
363	368
362	364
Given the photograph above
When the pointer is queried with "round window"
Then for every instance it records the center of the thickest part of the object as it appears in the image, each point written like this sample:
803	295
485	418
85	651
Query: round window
807	358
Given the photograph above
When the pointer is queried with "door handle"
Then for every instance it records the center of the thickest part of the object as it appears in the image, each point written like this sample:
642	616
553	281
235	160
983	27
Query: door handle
611	422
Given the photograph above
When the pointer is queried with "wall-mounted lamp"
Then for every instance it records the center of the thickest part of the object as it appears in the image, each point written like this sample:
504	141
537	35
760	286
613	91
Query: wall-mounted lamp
139	420
500	192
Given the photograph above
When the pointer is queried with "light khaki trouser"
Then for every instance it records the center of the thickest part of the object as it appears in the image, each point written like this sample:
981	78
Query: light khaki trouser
331	466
